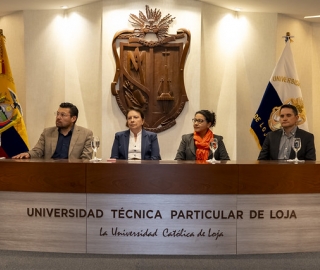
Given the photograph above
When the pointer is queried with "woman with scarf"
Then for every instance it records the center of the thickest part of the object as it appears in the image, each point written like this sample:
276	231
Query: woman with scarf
196	146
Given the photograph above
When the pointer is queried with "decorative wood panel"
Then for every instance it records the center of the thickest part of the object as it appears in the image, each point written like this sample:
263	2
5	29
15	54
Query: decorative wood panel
42	176
150	68
157	178
279	178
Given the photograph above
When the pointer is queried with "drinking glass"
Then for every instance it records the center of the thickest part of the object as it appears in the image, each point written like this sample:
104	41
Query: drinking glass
213	146
296	146
95	144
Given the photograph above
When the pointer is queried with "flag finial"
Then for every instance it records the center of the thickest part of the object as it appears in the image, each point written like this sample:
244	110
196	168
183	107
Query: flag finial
288	37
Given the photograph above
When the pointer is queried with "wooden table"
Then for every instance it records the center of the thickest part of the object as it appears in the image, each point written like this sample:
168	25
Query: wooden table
159	177
259	206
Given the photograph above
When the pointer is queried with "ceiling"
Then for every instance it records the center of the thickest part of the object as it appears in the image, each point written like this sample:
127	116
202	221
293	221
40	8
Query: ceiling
293	8
10	6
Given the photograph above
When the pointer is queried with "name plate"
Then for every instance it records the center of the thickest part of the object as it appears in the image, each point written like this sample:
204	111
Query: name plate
163	224
159	224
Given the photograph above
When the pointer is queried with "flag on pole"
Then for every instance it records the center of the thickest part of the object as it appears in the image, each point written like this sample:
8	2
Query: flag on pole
13	133
283	88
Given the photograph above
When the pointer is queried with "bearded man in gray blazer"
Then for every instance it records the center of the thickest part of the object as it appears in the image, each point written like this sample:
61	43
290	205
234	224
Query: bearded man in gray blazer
64	141
278	144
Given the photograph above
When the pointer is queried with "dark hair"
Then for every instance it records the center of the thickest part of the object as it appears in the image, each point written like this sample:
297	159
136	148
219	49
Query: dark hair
73	109
136	110
210	116
290	106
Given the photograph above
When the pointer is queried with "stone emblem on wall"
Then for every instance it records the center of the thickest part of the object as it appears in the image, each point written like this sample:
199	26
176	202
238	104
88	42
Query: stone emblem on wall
150	69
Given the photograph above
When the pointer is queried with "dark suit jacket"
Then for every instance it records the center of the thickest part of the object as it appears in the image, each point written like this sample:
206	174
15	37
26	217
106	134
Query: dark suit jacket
149	145
80	144
187	149
270	147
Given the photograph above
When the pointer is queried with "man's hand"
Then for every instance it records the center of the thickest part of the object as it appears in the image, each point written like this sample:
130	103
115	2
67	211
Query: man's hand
22	155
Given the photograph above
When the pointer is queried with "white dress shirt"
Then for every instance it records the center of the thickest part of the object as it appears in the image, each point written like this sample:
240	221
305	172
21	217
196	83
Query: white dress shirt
286	144
134	151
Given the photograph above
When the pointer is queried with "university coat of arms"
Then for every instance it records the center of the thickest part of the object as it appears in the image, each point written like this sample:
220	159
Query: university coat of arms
150	69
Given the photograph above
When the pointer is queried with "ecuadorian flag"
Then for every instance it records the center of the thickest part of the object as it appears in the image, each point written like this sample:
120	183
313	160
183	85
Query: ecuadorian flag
283	88
13	133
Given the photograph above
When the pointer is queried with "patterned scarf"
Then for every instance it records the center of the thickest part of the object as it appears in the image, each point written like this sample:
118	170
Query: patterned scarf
202	145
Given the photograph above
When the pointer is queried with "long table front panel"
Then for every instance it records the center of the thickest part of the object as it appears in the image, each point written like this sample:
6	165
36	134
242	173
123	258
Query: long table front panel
159	207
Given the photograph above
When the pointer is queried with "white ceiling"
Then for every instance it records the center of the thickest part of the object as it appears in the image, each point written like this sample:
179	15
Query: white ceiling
294	8
10	6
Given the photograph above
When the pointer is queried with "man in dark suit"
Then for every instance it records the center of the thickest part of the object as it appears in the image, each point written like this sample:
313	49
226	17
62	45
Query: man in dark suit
278	144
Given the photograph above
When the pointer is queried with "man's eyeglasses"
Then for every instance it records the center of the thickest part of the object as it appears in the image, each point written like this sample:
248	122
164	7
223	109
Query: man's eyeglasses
61	114
200	121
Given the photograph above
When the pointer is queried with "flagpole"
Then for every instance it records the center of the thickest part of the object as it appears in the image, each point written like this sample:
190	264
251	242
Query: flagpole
288	37
1	60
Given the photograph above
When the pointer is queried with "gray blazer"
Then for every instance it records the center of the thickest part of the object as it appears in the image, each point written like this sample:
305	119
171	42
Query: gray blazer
80	144
187	149
149	145
271	144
